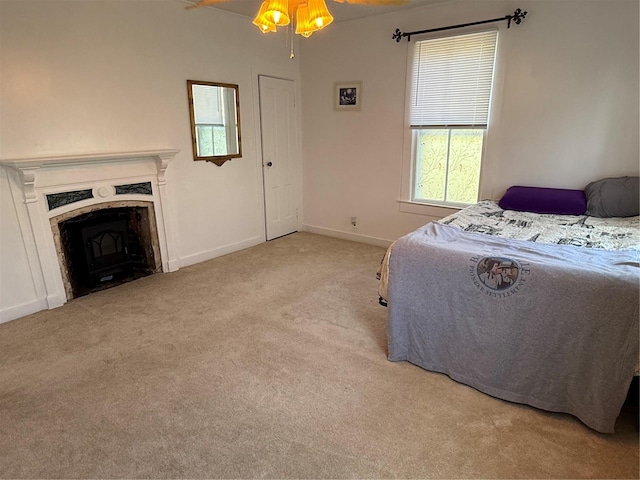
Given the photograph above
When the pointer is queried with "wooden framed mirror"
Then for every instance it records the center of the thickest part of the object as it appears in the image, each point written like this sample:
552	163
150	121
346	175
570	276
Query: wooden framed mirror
215	121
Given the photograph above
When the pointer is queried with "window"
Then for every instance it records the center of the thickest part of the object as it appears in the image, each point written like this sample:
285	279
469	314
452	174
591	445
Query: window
449	112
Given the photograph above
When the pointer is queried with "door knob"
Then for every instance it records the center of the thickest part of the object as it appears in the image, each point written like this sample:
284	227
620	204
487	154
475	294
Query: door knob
269	164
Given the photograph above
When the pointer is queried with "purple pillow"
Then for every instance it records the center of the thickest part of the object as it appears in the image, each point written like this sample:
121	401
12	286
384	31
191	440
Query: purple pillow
558	201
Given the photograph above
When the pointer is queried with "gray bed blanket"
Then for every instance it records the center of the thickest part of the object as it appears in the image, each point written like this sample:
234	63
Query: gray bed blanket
552	326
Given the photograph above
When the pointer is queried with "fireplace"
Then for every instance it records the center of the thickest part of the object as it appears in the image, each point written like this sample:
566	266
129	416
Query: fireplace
92	220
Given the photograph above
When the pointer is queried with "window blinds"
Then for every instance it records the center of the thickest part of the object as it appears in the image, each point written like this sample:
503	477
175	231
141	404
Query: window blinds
451	83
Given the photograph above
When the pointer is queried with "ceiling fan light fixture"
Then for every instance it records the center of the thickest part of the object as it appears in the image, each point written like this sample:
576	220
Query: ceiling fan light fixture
262	22
319	14
309	15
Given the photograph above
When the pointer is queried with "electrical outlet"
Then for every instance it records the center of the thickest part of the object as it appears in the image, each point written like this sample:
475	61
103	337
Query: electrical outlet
354	222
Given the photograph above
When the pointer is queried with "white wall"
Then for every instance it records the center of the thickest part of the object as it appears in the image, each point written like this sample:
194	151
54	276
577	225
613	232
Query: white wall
105	76
565	111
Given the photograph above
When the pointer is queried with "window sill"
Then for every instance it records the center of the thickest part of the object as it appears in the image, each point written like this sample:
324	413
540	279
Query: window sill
426	209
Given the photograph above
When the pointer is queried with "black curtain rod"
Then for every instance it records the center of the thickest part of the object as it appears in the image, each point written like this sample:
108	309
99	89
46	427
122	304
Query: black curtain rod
517	17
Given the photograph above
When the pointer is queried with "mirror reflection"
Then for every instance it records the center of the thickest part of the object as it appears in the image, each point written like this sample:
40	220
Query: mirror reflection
215	121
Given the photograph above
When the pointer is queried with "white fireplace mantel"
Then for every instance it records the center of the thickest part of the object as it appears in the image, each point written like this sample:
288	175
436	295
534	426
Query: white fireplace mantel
36	177
70	160
29	166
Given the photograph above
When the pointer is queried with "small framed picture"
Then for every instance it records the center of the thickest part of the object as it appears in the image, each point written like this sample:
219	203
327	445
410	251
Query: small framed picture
348	95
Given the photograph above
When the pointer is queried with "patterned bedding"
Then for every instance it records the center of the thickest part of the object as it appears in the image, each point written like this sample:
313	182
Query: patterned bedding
581	231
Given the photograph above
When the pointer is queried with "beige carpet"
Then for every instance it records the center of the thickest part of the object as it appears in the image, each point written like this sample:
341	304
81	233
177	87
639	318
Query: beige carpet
266	363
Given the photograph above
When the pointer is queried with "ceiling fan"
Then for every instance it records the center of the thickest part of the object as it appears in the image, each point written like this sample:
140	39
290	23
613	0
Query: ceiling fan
309	15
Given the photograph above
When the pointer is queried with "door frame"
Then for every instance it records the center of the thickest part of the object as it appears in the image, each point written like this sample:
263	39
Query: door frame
282	74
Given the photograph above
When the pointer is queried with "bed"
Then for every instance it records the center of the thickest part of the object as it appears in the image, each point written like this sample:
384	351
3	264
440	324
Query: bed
534	308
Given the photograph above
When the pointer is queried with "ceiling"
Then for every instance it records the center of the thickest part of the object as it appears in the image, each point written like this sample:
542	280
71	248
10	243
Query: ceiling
341	11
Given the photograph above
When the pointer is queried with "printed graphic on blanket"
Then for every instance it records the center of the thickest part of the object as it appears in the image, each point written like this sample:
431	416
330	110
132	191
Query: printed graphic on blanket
498	276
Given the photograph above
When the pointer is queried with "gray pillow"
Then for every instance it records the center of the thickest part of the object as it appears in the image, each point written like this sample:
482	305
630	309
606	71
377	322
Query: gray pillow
613	197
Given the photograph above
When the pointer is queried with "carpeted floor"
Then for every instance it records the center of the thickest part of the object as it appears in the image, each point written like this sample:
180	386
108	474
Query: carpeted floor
266	363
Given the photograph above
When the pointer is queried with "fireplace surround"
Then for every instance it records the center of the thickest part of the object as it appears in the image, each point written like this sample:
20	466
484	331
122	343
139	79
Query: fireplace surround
56	190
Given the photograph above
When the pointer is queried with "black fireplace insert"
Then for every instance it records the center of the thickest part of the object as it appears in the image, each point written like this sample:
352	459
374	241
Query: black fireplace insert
107	247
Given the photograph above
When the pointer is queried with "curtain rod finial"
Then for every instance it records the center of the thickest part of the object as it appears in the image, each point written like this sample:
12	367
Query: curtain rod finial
518	16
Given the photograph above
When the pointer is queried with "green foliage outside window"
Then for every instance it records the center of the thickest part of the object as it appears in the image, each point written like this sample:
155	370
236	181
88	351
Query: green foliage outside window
448	164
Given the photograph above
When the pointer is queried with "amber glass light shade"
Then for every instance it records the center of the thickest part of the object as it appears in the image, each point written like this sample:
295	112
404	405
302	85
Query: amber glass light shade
304	26
310	15
277	12
262	22
319	14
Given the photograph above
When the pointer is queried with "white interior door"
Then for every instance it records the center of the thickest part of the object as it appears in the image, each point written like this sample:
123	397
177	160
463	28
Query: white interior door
280	160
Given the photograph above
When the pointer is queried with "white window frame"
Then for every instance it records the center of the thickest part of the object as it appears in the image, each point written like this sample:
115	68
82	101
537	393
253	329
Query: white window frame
485	190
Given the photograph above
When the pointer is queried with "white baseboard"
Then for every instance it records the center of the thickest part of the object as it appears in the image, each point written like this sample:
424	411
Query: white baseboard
173	265
218	252
55	301
354	237
22	310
